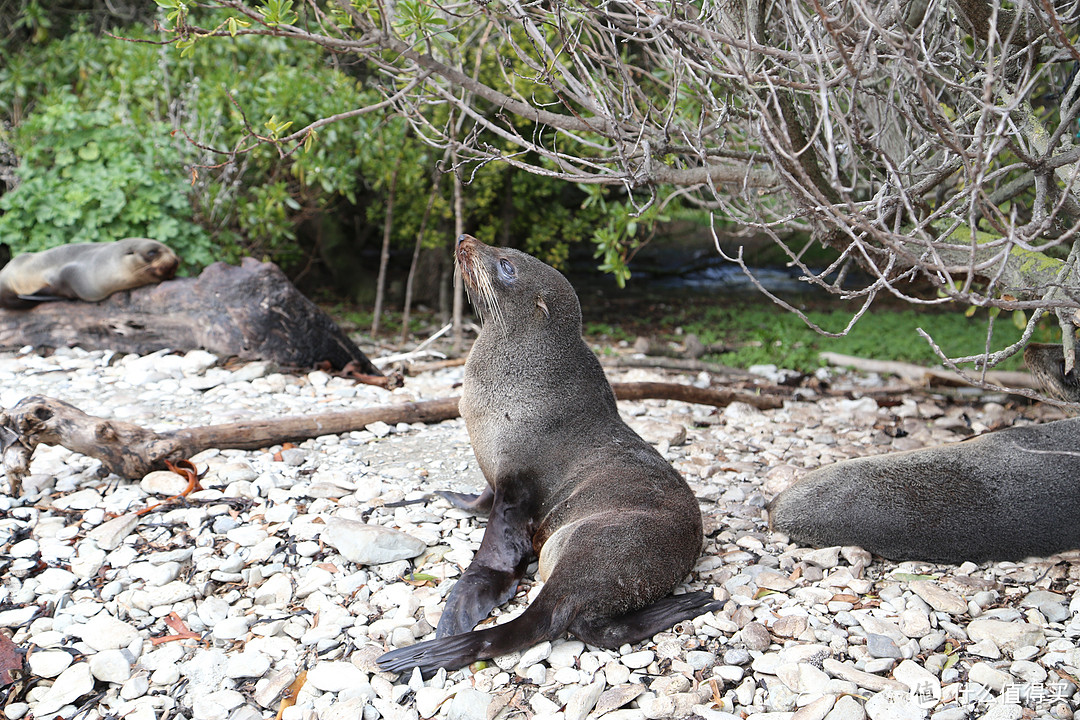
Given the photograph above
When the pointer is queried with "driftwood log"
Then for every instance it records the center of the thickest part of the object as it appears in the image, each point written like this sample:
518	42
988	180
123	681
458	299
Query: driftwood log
250	311
131	451
926	375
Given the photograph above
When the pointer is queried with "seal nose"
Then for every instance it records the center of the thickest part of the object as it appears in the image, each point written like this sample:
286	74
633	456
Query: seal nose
463	238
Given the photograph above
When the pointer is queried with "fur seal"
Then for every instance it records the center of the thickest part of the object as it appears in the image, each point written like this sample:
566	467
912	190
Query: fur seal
615	527
1003	495
1047	364
85	271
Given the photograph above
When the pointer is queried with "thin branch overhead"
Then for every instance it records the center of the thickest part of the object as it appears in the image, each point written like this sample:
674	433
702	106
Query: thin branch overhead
931	140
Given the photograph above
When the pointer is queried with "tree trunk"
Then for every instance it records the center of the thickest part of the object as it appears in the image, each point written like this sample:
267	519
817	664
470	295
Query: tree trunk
384	257
459	289
436	179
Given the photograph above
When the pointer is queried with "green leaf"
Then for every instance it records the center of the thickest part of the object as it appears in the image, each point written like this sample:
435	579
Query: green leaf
908	577
89	152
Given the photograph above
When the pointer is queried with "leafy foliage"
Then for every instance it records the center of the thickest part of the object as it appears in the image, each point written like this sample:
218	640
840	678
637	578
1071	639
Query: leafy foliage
87	176
222	95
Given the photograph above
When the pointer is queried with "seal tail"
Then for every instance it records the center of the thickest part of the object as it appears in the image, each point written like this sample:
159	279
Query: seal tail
543	620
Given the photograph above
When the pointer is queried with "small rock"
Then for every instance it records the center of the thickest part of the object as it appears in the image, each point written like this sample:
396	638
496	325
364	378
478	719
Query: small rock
233	628
989	676
71	685
846	671
893	705
1003	711
469	704
104	632
582	701
110	666
564	653
378	428
370	544
816	710
846	708
215	705
247	664
49	663
755	636
825	558
331	676
700	660
429	699
638	660
163	482
616	697
880	646
939	598
789	626
1007	636
736	656
111	533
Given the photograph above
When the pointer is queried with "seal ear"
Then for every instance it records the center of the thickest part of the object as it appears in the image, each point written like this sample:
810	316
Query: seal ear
543	305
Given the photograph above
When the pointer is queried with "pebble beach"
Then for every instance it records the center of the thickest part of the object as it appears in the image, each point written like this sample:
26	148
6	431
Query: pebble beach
270	592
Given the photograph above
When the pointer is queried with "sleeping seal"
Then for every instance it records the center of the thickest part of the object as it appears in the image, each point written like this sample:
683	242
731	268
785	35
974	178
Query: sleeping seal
85	271
1003	495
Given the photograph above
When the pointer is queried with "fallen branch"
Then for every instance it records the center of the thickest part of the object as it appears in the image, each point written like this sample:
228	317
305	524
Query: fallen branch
666	363
923	375
131	451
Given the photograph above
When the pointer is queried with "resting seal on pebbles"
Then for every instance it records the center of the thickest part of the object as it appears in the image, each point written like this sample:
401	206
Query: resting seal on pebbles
1003	495
614	526
85	271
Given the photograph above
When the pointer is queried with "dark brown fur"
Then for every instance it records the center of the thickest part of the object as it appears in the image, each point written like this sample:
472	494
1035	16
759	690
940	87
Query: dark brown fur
614	526
1004	495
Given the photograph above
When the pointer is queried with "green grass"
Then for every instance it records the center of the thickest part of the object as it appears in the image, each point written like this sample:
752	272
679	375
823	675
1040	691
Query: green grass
763	333
769	335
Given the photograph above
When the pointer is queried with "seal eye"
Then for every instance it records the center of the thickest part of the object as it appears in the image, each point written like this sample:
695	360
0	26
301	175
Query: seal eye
507	268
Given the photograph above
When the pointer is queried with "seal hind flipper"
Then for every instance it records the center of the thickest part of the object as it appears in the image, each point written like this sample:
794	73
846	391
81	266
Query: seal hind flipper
546	619
492	577
644	623
480	503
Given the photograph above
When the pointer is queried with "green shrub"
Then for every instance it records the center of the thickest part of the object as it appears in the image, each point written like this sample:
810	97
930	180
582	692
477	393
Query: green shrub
89	176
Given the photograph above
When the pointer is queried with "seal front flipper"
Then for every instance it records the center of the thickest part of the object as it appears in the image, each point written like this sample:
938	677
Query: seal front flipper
492	577
41	297
466	501
644	623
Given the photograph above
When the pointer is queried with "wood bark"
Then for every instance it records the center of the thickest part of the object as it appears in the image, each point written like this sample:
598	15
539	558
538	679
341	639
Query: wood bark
384	255
131	451
250	311
920	374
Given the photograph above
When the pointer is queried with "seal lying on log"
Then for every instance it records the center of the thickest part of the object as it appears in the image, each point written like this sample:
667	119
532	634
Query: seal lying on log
85	271
1003	495
615	527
